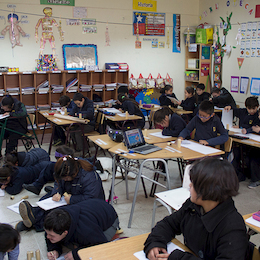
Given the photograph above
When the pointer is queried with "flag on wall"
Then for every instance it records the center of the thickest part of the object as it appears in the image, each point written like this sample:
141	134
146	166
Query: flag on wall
176	34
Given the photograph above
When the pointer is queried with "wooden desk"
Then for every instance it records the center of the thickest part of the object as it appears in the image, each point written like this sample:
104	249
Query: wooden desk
151	139
248	142
180	111
254	228
120	249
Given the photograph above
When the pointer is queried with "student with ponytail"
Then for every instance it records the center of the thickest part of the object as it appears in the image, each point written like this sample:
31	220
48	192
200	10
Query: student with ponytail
167	91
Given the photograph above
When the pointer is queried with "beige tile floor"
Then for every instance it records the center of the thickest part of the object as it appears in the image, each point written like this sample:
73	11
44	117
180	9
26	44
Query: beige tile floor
247	201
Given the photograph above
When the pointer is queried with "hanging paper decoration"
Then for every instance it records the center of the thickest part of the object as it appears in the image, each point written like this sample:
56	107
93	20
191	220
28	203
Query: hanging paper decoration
141	82
188	37
168	80
168	37
133	82
47	23
159	81
150	82
14	30
240	62
138	44
107	36
238	37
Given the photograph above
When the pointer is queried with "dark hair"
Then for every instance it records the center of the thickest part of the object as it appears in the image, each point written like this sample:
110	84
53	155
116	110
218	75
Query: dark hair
215	90
190	90
65	150
207	107
123	89
78	97
166	88
64	100
8	101
160	114
201	86
251	102
69	166
9	238
6	171
58	221
122	97
11	157
214	179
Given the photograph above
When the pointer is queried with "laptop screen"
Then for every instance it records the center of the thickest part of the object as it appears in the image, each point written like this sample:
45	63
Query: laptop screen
134	138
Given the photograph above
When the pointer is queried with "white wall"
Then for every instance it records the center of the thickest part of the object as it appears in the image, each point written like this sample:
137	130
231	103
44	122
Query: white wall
145	60
250	67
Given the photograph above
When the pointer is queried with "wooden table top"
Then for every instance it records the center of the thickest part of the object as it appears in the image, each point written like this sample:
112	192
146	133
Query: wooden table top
151	139
249	142
119	249
103	141
255	228
118	118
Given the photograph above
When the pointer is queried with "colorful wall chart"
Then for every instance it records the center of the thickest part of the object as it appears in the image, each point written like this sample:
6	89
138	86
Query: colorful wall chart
176	35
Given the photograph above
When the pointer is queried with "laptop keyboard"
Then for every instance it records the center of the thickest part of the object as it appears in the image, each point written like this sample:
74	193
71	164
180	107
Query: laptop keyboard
144	148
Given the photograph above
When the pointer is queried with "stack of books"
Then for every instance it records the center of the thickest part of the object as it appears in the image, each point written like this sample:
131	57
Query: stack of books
122	84
28	90
43	88
2	92
30	109
44	107
71	85
110	86
55	105
123	66
85	88
13	91
98	87
57	88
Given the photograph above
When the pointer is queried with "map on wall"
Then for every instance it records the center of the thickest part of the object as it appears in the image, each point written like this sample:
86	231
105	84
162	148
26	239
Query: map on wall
150	24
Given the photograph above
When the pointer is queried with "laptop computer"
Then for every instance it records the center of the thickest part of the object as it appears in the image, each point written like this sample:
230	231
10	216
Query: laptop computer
135	142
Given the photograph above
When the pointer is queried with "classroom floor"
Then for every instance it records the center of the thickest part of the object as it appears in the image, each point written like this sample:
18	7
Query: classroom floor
246	202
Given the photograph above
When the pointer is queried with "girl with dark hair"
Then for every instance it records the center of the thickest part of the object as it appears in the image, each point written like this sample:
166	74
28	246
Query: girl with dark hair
167	91
132	107
17	121
190	100
172	123
211	226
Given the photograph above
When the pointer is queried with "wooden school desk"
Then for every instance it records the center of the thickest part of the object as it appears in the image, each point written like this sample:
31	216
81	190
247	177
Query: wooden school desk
120	249
252	227
122	119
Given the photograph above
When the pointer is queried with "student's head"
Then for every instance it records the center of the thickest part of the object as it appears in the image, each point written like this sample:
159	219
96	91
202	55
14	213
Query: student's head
123	90
200	89
64	101
215	92
67	168
168	90
7	103
252	105
79	100
213	179
206	110
62	151
189	92
9	238
57	224
12	158
6	172
162	116
121	97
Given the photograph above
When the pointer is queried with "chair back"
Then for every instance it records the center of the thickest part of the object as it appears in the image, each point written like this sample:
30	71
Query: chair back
228	145
193	134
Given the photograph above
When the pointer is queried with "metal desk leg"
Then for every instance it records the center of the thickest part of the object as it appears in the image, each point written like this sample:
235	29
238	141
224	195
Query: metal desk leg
113	178
52	135
44	130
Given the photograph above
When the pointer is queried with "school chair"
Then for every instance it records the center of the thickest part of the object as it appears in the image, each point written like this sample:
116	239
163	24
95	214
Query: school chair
173	199
150	119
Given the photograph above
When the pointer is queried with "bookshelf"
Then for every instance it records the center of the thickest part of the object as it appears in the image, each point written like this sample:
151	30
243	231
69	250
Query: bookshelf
16	82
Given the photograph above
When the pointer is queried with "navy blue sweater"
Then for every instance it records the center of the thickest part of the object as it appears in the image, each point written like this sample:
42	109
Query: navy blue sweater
203	96
189	103
176	125
165	101
225	99
206	131
89	220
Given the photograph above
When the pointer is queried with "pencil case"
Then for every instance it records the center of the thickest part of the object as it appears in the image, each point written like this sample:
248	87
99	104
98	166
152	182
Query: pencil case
256	216
148	105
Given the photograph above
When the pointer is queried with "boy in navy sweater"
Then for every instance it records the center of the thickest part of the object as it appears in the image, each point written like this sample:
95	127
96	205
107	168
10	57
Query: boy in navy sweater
207	126
222	98
202	95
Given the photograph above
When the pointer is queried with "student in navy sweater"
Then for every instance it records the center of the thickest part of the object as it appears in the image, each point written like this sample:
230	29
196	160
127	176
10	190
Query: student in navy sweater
167	91
190	100
222	98
172	123
207	126
201	94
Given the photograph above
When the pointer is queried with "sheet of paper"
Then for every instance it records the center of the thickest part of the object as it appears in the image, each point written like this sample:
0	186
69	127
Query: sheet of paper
15	207
50	204
2	193
227	118
237	130
170	247
2	116
254	137
199	147
253	222
121	114
112	110
174	100
159	134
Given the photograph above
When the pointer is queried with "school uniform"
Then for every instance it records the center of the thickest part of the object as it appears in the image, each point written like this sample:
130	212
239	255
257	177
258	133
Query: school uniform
225	99
12	255
189	103
165	101
217	234
70	106
202	97
91	223
176	125
18	123
206	131
133	110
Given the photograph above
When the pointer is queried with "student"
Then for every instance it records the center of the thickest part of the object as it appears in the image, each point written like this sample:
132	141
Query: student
84	224
16	109
190	100
84	106
207	126
25	159
9	242
12	178
222	98
172	123
211	226
132	107
201	94
73	176
167	91
66	102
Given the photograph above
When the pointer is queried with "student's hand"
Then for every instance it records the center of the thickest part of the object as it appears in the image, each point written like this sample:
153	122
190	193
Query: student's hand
162	256
178	102
210	99
204	142
3	186
227	108
256	128
243	131
52	255
56	197
154	252
69	256
6	114
180	137
121	110
67	198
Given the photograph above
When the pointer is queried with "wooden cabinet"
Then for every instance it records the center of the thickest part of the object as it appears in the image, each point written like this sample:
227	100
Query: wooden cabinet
198	66
14	82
